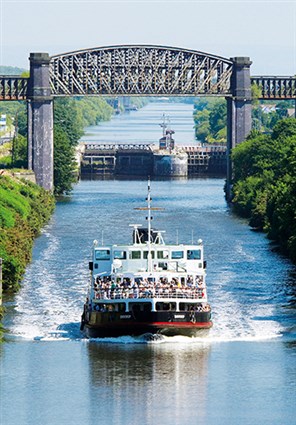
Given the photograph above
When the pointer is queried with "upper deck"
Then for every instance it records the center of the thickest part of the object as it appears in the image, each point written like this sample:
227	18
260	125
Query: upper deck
148	258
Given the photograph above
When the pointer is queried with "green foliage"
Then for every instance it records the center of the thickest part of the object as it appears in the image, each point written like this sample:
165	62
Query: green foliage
210	117
24	209
265	121
64	162
19	152
70	118
25	74
9	198
12	108
21	122
256	93
94	110
5	161
7	218
264	185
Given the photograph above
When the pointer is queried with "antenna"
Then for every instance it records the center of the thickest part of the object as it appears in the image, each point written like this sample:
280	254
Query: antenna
163	124
102	237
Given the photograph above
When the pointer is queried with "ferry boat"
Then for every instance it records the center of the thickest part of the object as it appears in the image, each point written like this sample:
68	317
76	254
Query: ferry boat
146	287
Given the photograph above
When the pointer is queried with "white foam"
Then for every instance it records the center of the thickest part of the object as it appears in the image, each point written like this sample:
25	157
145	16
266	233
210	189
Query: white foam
49	305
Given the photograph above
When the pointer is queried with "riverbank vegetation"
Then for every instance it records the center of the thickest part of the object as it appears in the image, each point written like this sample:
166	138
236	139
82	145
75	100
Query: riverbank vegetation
24	209
71	116
210	117
264	185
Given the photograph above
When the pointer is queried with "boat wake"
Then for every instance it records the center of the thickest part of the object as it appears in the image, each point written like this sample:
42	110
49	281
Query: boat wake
57	318
49	304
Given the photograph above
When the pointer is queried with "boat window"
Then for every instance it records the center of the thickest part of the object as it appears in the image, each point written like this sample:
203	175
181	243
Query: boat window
116	307
102	254
135	307
119	255
161	306
162	255
135	255
119	307
194	254
146	254
151	279
187	306
177	255
163	266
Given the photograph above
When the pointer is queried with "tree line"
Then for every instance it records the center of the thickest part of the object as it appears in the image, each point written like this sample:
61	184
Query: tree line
264	183
210	116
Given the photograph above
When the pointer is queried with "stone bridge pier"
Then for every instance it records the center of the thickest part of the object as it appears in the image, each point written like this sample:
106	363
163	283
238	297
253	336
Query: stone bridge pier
239	111
40	120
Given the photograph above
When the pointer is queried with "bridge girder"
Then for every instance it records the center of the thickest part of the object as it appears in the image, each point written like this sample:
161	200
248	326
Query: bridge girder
139	70
276	88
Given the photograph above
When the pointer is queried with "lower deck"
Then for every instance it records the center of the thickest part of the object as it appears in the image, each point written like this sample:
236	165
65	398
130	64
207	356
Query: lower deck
149	305
141	319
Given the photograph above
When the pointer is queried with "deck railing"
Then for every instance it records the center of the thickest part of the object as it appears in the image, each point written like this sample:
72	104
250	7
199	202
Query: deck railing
197	294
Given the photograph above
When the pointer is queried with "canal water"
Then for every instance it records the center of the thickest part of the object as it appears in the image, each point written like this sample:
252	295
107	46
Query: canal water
242	371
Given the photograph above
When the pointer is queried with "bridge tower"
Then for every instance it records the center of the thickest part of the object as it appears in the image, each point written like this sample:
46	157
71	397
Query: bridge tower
239	111
40	120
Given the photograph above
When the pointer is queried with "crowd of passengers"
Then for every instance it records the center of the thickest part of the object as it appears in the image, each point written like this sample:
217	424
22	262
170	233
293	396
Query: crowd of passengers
105	288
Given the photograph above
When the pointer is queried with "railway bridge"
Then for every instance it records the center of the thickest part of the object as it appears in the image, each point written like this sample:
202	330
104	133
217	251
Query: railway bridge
134	70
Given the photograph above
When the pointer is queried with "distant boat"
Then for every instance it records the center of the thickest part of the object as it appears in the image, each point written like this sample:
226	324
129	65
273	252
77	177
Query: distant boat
130	108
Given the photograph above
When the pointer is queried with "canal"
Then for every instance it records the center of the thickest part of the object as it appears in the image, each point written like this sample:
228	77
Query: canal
242	371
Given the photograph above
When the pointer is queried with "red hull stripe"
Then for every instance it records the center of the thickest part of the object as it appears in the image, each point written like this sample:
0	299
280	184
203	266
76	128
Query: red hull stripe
183	325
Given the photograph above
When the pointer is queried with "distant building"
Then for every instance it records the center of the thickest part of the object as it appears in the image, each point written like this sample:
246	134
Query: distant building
267	109
291	112
3	126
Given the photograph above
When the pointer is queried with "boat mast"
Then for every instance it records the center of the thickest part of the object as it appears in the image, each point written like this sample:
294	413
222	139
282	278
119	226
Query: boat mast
149	218
149	258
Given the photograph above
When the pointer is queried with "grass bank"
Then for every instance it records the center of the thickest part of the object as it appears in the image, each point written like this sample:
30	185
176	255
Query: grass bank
24	209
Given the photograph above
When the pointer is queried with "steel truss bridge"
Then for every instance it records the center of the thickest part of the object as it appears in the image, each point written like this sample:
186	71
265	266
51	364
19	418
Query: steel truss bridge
272	88
143	70
135	71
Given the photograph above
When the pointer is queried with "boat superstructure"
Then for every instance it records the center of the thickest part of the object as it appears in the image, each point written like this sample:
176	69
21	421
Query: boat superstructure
147	286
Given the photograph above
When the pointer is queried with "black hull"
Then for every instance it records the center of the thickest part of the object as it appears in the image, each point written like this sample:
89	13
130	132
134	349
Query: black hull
101	325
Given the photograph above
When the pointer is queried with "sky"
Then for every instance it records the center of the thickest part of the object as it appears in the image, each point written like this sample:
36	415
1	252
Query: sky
265	31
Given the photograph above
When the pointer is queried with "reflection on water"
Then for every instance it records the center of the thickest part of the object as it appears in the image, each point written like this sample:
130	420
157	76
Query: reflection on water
162	375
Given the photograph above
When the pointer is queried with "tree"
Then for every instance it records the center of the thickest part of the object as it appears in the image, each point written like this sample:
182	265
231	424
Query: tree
19	152
210	116
285	128
68	117
64	162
